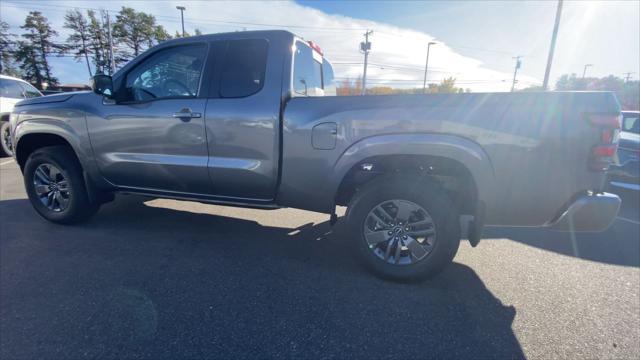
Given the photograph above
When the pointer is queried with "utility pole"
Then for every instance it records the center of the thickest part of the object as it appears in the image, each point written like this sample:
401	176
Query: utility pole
554	36
365	47
112	65
426	67
584	71
515	71
627	76
182	9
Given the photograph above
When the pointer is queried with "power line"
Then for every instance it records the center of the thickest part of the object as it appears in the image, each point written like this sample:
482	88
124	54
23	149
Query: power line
50	7
453	46
196	21
388	67
223	22
420	81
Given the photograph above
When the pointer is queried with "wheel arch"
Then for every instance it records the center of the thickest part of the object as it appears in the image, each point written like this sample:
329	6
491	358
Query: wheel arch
31	142
432	155
38	131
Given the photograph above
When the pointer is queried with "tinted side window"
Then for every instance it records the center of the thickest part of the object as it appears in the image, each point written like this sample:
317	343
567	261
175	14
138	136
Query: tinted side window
169	73
244	67
30	91
10	89
307	72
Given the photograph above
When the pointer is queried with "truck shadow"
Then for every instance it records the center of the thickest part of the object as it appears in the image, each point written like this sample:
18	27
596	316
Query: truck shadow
141	281
619	245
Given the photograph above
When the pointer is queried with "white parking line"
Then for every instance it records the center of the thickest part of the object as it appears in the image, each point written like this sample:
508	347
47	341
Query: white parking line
6	162
629	220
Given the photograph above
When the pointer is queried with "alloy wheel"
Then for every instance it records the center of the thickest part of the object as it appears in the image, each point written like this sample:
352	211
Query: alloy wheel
399	232
51	187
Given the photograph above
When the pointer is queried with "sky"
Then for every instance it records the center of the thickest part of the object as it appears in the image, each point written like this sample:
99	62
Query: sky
475	40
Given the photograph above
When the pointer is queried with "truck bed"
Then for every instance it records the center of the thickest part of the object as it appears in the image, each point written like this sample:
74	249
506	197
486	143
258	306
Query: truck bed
536	145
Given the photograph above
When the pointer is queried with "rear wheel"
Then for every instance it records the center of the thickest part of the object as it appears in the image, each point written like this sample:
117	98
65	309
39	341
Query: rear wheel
403	229
55	185
6	148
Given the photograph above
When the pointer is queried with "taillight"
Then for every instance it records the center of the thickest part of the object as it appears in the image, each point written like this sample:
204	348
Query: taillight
603	152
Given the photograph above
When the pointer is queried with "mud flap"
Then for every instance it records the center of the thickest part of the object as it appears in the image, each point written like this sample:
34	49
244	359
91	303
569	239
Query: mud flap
96	196
476	226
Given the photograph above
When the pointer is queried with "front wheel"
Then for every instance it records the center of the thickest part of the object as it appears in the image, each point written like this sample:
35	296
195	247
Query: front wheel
55	185
6	148
403	229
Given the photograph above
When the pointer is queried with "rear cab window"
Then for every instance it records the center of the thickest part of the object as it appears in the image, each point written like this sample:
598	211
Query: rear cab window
328	79
244	67
308	71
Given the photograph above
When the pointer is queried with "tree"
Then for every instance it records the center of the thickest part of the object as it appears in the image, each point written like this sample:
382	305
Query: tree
446	86
99	41
29	63
628	93
532	88
39	35
381	90
79	39
347	87
178	34
136	31
7	51
160	34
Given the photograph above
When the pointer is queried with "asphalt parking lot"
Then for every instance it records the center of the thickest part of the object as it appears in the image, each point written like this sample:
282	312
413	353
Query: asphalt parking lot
170	279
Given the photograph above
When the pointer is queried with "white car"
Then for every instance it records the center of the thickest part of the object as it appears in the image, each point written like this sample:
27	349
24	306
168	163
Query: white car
12	90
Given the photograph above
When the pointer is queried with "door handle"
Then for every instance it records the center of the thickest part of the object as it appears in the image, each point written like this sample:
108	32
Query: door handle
186	114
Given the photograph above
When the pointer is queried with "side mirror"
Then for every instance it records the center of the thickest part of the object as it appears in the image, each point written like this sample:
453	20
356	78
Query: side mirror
102	85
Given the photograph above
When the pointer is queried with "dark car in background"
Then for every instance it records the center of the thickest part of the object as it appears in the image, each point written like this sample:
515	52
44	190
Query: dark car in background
625	171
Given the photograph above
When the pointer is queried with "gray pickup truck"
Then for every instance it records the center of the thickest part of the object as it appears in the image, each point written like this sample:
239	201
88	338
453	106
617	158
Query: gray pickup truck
251	119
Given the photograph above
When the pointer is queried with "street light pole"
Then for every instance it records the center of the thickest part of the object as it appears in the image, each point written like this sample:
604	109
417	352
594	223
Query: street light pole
584	71
515	72
182	9
554	36
426	68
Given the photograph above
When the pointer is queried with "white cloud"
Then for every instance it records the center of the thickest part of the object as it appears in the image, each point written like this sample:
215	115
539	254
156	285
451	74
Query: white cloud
397	57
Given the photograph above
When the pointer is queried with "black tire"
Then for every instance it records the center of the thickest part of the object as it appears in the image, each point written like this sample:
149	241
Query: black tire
5	148
423	192
79	207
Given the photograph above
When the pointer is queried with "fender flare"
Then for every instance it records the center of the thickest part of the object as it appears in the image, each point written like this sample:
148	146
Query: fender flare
462	150
74	136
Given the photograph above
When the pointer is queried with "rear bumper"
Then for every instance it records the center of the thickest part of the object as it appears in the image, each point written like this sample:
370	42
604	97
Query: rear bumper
588	213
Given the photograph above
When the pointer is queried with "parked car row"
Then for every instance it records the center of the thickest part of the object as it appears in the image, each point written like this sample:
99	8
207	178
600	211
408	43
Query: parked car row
12	90
625	171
